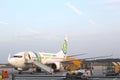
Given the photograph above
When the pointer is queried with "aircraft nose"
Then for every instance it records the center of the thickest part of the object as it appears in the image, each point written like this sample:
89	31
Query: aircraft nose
13	62
10	61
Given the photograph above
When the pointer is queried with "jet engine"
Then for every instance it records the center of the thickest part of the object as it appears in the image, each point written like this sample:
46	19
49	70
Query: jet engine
56	66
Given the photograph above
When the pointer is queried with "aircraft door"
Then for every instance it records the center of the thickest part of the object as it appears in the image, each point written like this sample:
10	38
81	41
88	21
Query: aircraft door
27	56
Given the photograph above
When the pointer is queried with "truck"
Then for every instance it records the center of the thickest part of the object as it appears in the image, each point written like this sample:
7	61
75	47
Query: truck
81	74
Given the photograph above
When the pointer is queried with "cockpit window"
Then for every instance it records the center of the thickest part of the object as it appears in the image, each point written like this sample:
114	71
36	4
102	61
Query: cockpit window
17	56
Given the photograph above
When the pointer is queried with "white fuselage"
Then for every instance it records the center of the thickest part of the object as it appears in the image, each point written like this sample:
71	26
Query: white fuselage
19	60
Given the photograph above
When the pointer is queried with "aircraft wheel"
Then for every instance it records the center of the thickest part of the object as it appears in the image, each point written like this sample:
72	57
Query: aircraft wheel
20	72
32	72
38	69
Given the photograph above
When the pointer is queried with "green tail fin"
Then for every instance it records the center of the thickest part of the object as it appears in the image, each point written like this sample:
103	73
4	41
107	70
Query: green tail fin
64	46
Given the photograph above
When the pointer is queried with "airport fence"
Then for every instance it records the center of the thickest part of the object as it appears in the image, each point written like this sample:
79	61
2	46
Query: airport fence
57	77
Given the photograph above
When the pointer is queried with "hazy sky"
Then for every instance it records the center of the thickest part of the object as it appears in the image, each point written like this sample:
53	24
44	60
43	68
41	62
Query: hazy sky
92	26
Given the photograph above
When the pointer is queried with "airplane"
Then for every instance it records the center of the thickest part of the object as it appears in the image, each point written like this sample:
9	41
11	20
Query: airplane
19	60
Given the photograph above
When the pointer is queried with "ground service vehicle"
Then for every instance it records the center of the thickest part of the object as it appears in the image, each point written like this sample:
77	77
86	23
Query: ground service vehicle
112	69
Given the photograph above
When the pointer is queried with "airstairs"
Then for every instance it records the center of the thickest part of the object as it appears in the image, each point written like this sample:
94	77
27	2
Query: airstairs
40	65
43	66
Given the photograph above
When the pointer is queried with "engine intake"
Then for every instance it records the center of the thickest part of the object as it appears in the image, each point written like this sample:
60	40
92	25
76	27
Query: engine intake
56	66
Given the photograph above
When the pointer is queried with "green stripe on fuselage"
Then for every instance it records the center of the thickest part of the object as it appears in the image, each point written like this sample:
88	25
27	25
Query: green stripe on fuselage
49	55
38	56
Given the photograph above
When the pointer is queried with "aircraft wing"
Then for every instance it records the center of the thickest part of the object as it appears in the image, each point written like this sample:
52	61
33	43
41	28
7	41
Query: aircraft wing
75	64
97	57
76	55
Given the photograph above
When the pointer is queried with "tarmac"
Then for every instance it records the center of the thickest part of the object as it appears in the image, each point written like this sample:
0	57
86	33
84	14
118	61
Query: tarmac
26	75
